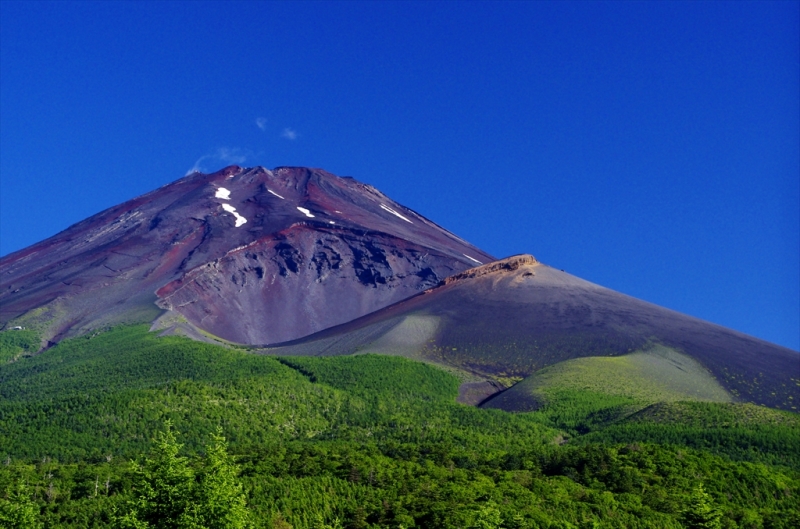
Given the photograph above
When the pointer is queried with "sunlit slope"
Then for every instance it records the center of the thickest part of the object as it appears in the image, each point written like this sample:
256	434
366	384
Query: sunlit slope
658	374
653	396
507	320
744	432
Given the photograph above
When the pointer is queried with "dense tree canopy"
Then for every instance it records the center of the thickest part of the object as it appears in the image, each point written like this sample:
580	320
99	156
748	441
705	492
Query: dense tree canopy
88	438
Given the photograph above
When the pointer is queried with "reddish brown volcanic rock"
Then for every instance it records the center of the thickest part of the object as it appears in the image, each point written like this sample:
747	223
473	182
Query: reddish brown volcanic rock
316	250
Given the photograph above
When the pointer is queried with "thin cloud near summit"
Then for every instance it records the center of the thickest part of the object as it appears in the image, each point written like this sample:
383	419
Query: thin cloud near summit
230	155
287	133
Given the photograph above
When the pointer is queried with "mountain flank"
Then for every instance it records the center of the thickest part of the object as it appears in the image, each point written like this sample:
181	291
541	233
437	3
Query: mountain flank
505	321
297	261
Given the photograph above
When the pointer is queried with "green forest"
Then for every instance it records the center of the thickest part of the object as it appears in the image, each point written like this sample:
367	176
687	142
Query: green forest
126	429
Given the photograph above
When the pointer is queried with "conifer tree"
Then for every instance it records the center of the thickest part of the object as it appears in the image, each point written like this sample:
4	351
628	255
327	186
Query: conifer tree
700	513
169	496
487	517
219	500
163	488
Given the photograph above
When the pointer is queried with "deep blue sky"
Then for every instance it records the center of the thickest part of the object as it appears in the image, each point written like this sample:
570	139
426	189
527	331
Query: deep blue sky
653	148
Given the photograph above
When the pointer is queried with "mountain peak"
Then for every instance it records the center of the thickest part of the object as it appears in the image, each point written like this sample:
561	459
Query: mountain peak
251	255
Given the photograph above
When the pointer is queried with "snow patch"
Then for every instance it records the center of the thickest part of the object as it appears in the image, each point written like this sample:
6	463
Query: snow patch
230	209
305	212
393	212
471	258
276	194
223	193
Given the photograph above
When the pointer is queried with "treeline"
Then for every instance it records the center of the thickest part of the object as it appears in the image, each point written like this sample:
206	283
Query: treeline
87	398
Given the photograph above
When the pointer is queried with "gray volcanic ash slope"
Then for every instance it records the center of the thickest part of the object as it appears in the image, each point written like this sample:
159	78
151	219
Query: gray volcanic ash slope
507	320
249	255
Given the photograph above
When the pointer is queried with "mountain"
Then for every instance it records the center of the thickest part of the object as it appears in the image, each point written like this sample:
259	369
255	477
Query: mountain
248	255
296	261
629	406
506	320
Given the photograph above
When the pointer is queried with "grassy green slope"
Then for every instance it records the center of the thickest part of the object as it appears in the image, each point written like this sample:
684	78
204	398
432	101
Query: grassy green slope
601	389
108	394
657	395
658	374
740	431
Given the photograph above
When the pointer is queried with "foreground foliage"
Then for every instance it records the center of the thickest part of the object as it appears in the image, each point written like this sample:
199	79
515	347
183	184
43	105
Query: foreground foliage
363	441
168	494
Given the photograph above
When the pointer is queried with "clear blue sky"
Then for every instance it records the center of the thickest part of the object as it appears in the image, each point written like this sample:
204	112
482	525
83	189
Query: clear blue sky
650	147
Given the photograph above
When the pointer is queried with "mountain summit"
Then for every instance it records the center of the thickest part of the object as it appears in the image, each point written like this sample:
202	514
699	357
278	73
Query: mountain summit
252	256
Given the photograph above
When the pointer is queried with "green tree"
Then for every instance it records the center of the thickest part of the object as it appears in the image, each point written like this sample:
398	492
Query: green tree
319	523
219	500
163	488
701	512
487	517
170	496
279	522
17	510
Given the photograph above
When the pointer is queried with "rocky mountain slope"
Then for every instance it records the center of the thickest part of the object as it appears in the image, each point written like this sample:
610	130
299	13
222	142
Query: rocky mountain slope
251	256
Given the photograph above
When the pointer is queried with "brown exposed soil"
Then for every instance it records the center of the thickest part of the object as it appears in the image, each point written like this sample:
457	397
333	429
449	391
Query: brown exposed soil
508	264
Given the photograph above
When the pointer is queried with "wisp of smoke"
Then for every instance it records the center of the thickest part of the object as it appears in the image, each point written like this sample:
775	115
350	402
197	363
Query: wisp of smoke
229	155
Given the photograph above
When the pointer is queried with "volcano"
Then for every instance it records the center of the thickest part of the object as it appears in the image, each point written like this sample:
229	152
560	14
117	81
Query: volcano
250	256
297	261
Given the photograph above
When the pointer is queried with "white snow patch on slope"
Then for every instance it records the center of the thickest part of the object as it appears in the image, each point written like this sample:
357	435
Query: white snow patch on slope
230	209
393	212
305	212
276	194
471	258
223	193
